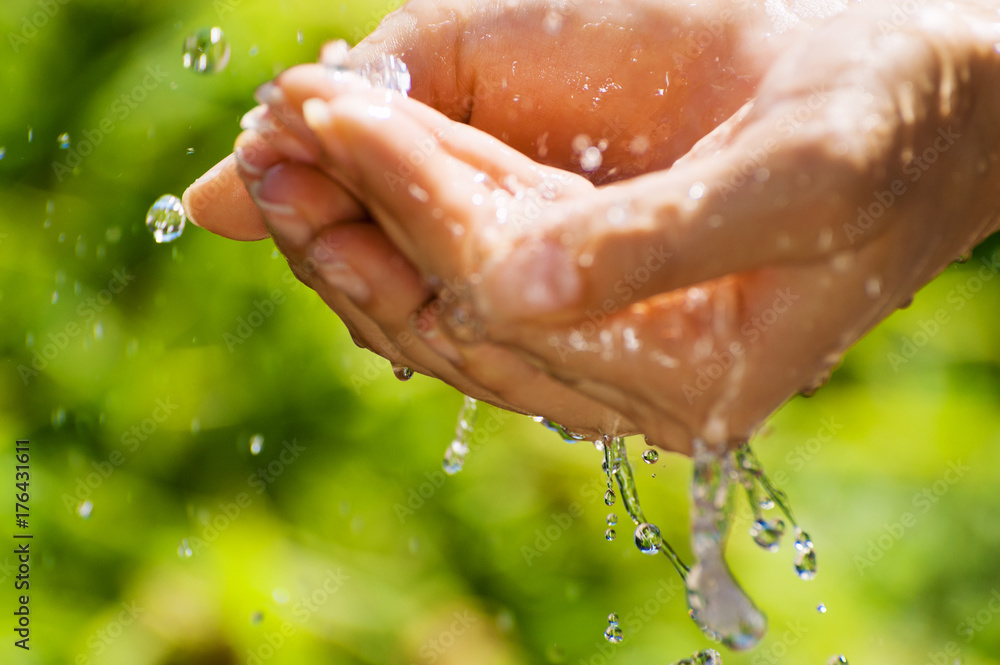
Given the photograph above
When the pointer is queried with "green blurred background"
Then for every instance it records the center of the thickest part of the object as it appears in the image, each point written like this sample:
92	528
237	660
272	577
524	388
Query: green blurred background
160	538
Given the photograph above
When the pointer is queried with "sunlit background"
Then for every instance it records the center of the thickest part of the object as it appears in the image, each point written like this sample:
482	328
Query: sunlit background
147	377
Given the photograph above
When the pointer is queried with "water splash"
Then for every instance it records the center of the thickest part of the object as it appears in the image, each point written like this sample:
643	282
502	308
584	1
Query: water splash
718	604
647	536
706	657
389	73
206	51
454	456
166	218
613	633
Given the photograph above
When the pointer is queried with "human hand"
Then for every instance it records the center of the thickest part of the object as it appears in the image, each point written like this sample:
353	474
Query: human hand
791	305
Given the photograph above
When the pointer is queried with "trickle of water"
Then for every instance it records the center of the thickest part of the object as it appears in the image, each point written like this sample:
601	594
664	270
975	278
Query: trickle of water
63	141
166	218
454	456
837	660
389	73
84	509
768	533
256	444
567	436
718	605
609	535
609	498
184	550
706	657
206	51
613	633
402	373
805	557
649	456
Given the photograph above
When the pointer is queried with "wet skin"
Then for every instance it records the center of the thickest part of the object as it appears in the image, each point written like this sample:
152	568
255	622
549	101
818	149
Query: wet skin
767	194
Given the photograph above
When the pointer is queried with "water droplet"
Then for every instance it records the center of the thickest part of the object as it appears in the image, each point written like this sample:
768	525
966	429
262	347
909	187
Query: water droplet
697	190
84	509
280	595
609	498
768	534
256	444
184	550
454	456
648	538
552	23
805	557
256	618
253	51
402	373
821	608
166	218
650	456
190	151
613	633
873	287
31	134
98	331
837	660
63	141
55	297
591	159
766	503
706	657
300	37
611	519
418	192
206	51
609	535
3	152
58	417
567	436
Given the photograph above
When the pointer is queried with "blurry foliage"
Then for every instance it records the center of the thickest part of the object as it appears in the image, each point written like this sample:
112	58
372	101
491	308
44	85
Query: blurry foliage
342	541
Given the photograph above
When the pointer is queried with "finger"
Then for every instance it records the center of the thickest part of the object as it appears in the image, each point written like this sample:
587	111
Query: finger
219	202
781	183
432	183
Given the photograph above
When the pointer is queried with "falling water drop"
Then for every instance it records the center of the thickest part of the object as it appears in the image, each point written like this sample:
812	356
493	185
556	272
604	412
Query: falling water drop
166	218
805	557
402	373
454	456
611	519
609	498
184	550
821	608
300	37
63	141
58	417
649	456
3	152
837	660
768	533
706	657
256	444
84	509
648	538
206	51
256	618
609	535
613	633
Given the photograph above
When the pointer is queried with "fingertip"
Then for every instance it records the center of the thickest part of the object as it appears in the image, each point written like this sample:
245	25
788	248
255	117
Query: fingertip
219	202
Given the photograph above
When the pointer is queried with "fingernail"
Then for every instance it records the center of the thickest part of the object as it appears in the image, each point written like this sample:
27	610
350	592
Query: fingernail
282	218
316	113
245	165
258	119
335	271
270	94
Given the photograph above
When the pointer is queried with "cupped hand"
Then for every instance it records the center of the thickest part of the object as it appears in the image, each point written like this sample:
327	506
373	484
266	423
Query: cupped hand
689	301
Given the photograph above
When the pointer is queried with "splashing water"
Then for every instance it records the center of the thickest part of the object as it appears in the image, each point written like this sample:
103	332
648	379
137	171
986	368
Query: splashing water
454	456
613	633
706	657
390	73
206	51
718	604
647	536
166	218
